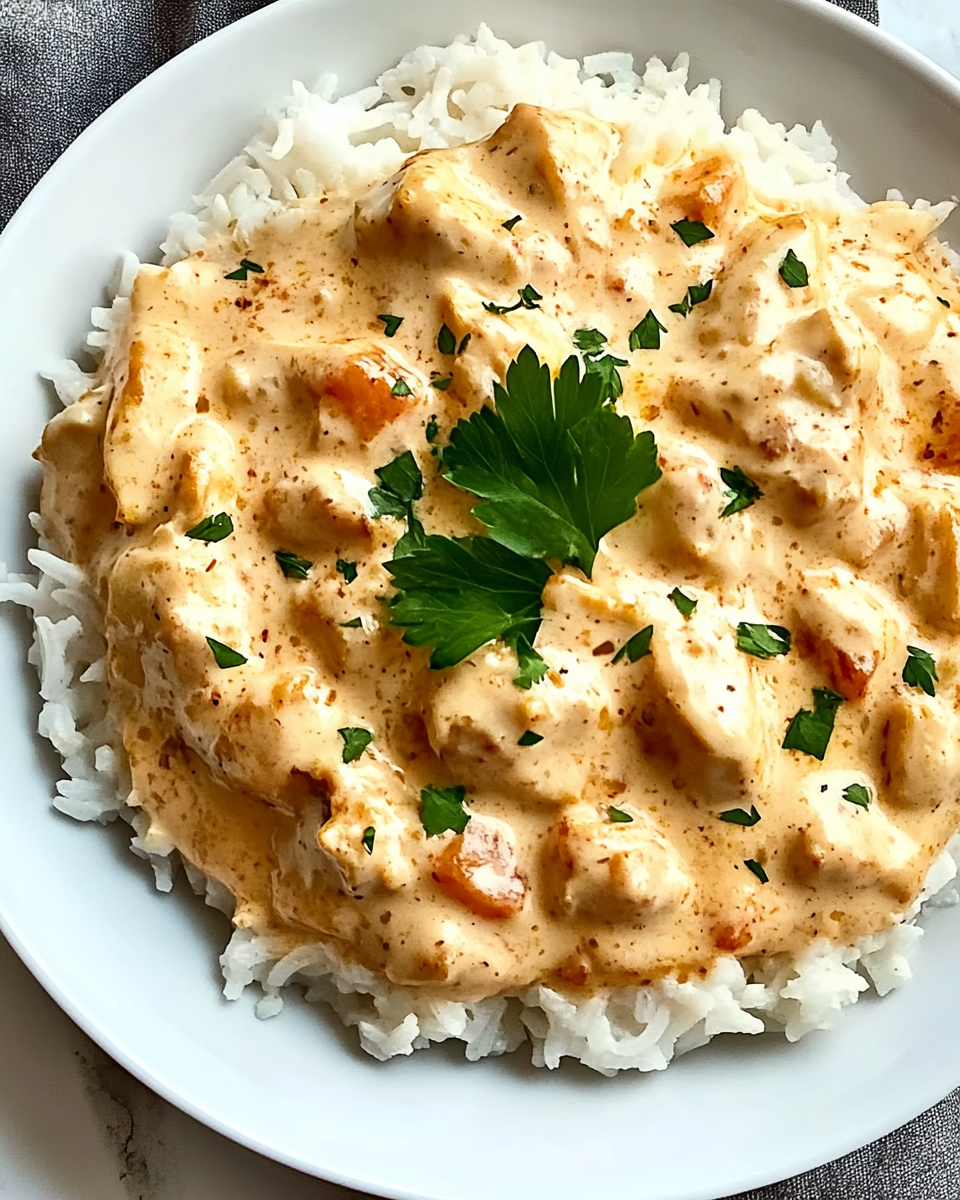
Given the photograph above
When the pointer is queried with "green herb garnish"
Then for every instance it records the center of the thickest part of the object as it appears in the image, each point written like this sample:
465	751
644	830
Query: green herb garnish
529	298
532	666
945	303
241	271
683	308
691	232
685	604
464	343
529	738
555	466
508	225
446	340
390	323
442	384
920	670
618	816
637	647
292	565
355	741
401	388
809	732
356	623
589	341
431	430
742	492
752	865
646	335
400	485
697	293
793	272
857	794
737	816
369	837
225	656
763	641
441	808
347	569
212	529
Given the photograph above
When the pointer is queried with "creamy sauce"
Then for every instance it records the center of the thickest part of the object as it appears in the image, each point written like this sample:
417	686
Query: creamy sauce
271	399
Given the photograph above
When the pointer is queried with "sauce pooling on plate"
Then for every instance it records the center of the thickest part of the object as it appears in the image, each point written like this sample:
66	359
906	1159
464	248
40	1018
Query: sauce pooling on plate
721	721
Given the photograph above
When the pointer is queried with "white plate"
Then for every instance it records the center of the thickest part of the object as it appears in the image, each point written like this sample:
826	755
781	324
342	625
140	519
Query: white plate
137	970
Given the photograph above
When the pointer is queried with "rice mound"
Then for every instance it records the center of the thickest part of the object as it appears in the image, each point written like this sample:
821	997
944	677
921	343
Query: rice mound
315	142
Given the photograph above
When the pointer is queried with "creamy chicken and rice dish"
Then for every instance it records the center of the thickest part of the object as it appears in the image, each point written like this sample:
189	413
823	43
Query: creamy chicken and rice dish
539	572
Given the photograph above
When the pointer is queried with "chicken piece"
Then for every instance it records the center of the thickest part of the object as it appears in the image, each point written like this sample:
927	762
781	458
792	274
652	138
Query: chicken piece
847	845
922	753
932	576
845	627
616	871
318	504
478	869
711	189
160	394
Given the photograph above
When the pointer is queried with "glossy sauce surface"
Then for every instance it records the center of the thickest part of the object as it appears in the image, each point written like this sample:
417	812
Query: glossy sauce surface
273	399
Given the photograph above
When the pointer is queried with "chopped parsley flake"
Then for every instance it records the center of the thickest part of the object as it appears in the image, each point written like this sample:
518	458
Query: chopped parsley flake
369	837
618	816
532	666
763	641
241	271
555	466
292	565
347	569
589	341
646	335
752	865
920	670
742	492
356	623
508	225
945	303
225	656
529	738
431	431
390	323
737	816
529	298
441	808
810	732
697	293
464	343
441	384
691	232
793	272
686	604
401	388
857	794
400	485
683	307
355	741
637	647
446	340
212	529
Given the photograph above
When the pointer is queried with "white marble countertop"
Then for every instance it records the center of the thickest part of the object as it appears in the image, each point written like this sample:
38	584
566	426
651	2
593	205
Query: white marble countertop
74	1126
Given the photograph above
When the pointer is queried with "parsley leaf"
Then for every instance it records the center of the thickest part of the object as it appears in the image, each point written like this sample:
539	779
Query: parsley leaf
508	225
355	741
763	641
697	293
920	670
225	656
212	529
457	594
369	837
347	569
683	308
857	794
532	666
292	565
637	647
945	303
555	467
441	808
464	343
529	738
356	623
742	491
646	335
241	271
618	816
446	340
691	232
400	485
809	732
401	388
442	384
737	816
752	865
589	341
390	323
793	272
529	298
431	430
686	604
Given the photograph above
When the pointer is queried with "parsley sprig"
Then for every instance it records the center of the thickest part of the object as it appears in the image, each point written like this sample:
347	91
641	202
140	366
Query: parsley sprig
555	467
355	740
529	298
212	529
441	809
691	232
646	335
763	641
810	732
741	491
401	485
592	345
920	670
241	271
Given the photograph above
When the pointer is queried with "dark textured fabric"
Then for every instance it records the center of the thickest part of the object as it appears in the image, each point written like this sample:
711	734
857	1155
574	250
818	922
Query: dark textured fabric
62	62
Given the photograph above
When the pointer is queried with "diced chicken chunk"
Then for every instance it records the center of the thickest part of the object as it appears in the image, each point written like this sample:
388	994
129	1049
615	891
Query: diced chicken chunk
320	502
845	626
932	579
711	189
923	753
479	869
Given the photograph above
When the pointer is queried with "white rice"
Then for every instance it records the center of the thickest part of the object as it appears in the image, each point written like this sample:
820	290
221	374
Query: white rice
317	142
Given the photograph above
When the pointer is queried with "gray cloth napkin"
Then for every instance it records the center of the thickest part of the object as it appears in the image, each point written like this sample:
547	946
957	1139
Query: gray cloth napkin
62	62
